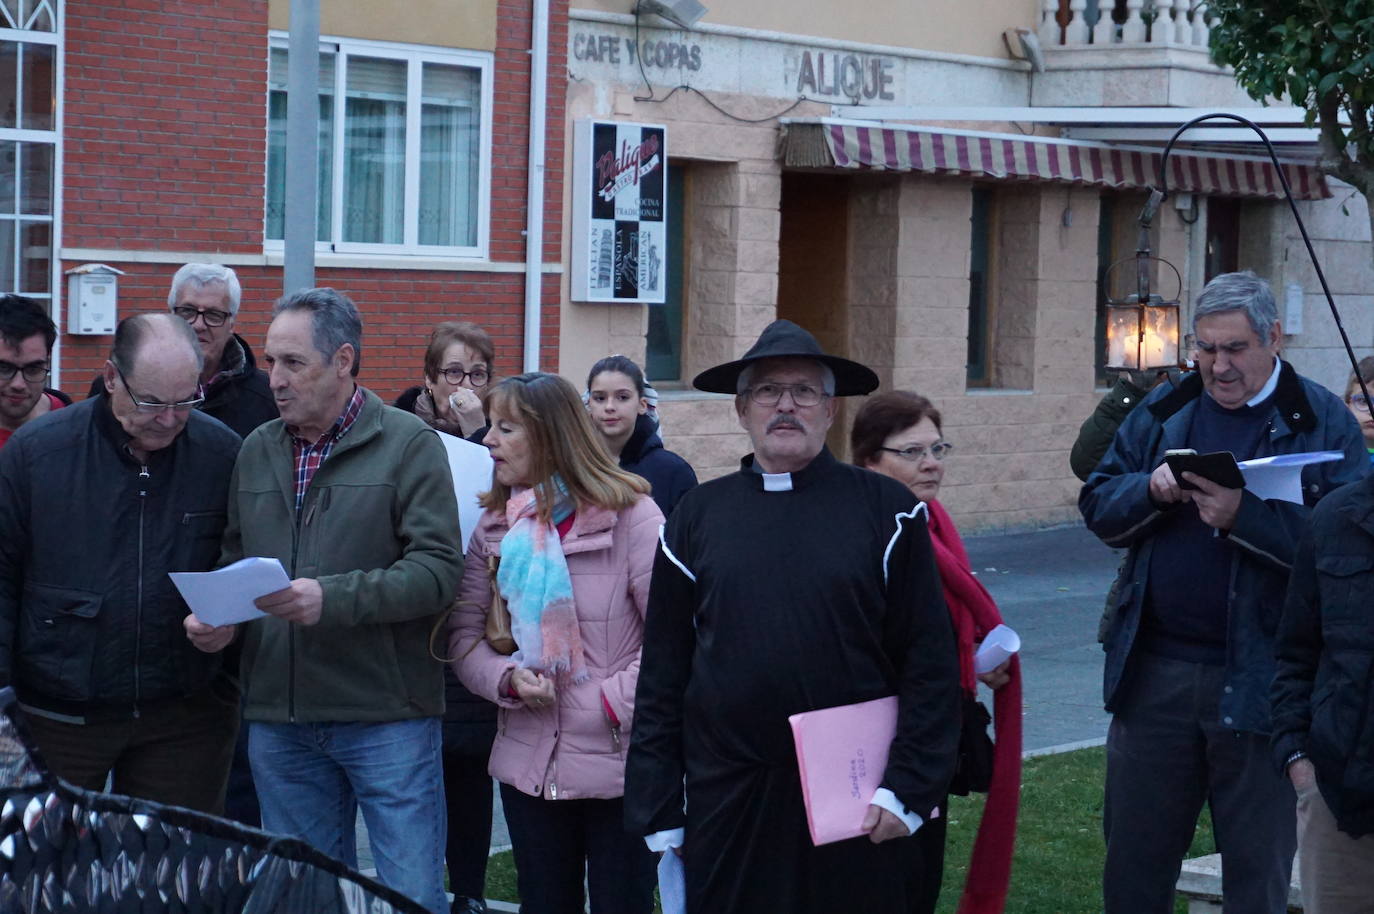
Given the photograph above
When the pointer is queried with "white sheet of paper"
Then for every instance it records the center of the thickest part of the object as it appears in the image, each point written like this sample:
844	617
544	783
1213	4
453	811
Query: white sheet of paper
1280	476
672	884
226	596
470	465
996	649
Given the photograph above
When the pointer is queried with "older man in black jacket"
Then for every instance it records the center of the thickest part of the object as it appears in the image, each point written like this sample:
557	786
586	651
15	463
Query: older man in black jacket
1322	736
98	502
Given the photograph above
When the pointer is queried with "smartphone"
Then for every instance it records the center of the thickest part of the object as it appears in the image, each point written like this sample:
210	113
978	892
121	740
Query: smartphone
1219	467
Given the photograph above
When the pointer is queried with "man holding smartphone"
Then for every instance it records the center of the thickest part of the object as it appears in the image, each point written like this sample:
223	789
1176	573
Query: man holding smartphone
1190	653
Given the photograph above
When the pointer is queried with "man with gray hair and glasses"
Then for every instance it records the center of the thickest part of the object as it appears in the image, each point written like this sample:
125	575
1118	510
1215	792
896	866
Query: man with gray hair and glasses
343	698
1190	650
797	584
207	296
98	502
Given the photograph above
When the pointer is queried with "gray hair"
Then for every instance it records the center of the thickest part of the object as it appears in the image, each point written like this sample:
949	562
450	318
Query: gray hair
334	319
1243	291
746	376
201	275
134	331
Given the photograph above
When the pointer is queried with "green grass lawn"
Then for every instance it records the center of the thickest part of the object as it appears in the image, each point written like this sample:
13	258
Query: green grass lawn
1057	867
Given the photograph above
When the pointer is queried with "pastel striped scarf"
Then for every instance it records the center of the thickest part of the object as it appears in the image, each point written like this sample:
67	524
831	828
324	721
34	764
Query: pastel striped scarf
534	579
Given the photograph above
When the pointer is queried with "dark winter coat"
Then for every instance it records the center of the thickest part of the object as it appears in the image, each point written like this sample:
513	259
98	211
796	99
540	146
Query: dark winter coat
1098	430
406	401
668	474
469	721
1325	648
90	623
1116	505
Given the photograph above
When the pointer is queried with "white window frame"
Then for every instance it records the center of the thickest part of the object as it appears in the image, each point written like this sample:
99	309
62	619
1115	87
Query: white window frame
51	137
415	57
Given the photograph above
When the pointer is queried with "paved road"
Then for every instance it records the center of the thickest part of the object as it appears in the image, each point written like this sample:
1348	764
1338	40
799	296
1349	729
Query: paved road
1050	586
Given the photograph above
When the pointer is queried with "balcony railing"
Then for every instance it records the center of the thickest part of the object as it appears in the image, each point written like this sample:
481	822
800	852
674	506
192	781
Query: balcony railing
1094	23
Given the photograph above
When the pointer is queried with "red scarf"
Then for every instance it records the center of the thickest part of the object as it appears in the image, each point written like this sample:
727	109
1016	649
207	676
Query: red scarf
974	614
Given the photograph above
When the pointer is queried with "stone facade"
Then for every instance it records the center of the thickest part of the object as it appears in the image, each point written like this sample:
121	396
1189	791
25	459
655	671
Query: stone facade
877	265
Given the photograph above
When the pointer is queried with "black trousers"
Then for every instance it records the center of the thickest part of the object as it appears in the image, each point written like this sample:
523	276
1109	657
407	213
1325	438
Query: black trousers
1167	752
927	874
467	794
175	752
557	842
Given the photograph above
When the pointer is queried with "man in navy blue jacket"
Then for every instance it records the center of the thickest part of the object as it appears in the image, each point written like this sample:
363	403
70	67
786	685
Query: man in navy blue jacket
1190	651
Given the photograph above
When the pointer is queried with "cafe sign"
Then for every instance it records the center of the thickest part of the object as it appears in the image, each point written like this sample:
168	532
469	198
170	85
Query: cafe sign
620	187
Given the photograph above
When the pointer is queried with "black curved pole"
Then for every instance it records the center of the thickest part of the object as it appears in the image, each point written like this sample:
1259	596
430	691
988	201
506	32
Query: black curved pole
1162	191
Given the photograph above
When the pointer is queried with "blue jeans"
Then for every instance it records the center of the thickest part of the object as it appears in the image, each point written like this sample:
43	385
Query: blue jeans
312	778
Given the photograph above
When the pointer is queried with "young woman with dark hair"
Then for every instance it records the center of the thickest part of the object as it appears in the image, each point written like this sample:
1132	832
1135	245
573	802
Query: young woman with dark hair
619	410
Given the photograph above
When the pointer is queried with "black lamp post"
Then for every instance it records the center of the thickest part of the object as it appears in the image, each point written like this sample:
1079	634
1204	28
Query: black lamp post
1161	193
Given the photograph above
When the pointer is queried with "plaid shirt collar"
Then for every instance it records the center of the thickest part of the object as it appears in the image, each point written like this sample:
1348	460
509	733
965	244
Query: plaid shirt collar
341	425
310	455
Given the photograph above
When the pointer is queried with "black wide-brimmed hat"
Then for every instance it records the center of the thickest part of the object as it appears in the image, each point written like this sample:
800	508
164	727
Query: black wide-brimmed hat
785	340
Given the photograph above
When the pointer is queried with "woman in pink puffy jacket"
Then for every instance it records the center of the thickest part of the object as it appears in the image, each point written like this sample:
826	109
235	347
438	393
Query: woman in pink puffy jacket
576	538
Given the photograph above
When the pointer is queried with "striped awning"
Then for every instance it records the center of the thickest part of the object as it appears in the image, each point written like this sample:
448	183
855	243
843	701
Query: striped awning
836	143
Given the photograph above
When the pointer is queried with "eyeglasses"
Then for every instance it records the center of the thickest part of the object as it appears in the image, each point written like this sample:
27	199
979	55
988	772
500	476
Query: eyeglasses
1356	400
771	394
32	372
455	376
182	406
212	316
939	450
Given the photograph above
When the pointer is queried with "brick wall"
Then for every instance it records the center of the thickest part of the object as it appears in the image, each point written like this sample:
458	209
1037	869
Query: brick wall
165	150
166	118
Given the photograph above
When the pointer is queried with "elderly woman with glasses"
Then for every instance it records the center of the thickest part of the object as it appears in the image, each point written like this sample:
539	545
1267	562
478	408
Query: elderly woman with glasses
1357	404
576	538
457	371
899	434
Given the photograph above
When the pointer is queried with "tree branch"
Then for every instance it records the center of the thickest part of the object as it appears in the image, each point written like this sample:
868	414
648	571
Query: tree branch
1334	160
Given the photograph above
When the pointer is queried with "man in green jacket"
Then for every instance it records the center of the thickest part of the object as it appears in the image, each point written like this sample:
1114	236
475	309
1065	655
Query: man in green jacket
342	697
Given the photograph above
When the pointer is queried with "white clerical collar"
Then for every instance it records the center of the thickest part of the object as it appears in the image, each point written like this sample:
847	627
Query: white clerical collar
777	482
1269	385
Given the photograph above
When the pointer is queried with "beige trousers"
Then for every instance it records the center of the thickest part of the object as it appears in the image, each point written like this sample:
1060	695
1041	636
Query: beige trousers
1337	871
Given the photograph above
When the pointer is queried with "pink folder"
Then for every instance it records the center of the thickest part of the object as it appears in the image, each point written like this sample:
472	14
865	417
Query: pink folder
842	753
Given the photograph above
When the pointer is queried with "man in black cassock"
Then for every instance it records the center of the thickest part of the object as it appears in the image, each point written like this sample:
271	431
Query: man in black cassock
796	584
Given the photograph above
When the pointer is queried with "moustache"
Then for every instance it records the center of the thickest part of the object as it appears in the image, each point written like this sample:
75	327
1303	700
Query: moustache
785	421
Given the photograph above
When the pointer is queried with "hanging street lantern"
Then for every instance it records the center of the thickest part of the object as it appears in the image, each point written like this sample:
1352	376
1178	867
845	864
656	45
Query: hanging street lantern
1142	326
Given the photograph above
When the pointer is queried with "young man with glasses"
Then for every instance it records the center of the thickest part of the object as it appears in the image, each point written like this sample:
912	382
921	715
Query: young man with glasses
98	503
206	296
27	335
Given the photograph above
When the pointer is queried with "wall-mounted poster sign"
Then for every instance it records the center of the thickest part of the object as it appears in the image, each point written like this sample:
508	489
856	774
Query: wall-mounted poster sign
620	198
